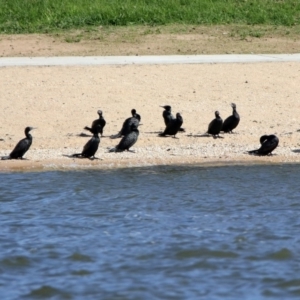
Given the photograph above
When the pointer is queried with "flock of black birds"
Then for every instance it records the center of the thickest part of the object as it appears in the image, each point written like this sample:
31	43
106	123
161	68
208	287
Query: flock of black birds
130	133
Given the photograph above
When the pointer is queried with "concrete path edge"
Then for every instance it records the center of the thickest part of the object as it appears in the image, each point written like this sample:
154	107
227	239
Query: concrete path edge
140	60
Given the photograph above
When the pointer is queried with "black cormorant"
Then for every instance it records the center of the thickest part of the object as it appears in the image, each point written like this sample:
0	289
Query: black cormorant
173	126
128	140
126	128
167	115
101	121
135	114
215	125
91	147
268	144
22	147
232	121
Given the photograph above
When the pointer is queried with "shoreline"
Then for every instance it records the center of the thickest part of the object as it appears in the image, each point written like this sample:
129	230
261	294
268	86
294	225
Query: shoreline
113	163
52	167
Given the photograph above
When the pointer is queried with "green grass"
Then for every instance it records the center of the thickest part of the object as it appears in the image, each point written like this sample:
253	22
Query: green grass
30	16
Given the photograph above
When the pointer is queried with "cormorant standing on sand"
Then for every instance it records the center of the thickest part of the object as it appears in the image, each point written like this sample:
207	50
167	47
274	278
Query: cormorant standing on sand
22	146
91	147
101	121
173	126
167	115
215	125
232	121
126	128
128	140
268	144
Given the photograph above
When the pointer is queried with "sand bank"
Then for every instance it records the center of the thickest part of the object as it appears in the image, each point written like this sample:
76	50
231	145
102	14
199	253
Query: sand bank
60	101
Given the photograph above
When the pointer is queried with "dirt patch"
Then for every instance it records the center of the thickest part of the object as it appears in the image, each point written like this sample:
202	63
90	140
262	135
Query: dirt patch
164	40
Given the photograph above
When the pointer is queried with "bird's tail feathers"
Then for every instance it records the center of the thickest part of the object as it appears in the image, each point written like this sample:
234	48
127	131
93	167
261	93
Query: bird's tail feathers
5	157
253	151
88	128
116	136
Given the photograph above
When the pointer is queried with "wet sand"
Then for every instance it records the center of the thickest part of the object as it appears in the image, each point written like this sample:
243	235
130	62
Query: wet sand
60	101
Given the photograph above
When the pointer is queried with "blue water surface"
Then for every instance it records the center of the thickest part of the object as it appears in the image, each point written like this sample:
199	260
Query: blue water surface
151	233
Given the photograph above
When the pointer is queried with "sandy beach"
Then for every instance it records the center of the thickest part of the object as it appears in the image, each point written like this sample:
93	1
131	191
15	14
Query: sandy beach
60	101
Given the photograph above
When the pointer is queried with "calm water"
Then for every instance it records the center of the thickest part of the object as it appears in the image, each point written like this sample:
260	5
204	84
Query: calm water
151	233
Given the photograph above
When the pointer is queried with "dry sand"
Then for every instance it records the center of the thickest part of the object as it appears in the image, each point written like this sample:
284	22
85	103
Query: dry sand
60	101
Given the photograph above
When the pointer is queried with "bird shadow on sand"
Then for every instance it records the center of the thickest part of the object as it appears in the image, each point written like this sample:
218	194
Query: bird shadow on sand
68	155
255	154
205	135
82	134
71	156
161	135
296	150
154	132
80	157
8	158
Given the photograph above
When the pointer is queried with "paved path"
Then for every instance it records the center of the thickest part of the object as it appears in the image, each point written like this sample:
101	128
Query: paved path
140	60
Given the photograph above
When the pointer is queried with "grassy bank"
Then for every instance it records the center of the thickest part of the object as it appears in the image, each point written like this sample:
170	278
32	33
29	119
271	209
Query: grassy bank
29	16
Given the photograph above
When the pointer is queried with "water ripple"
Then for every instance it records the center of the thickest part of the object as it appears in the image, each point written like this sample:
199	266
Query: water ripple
151	233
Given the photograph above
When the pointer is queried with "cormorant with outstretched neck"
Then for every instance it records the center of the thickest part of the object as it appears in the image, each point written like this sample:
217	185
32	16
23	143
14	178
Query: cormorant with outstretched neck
215	125
126	128
232	121
91	147
173	126
167	115
268	144
128	140
101	121
22	146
